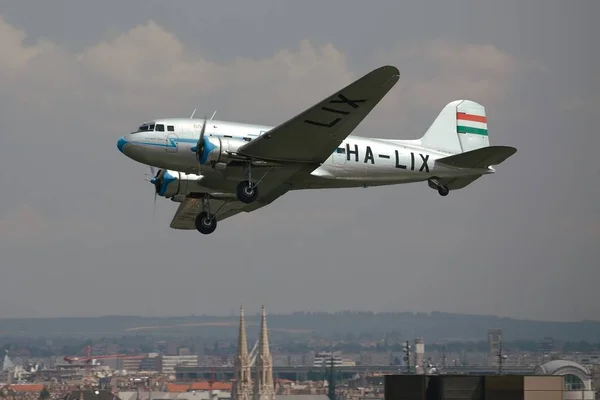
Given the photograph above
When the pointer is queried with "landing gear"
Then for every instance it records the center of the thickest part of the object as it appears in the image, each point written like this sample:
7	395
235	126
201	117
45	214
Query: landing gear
434	183
246	192
206	224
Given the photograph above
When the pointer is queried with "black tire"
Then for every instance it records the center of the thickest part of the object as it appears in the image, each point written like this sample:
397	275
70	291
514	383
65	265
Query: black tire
443	191
246	193
205	224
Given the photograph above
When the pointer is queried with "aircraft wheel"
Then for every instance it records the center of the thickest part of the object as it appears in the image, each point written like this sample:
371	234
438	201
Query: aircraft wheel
206	224
443	190
246	193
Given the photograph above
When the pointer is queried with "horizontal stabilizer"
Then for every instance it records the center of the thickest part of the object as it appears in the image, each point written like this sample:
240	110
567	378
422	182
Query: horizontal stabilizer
479	158
459	183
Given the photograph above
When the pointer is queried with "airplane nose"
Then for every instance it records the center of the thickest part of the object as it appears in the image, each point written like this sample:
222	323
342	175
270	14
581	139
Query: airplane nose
121	144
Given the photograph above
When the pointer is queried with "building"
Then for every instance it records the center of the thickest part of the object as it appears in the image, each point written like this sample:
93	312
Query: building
242	389
168	363
262	387
419	356
325	359
494	344
473	387
555	380
90	395
131	363
151	362
577	378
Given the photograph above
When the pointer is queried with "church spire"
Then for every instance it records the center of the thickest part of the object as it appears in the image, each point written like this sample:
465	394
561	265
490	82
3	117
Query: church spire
263	385
264	335
242	387
242	339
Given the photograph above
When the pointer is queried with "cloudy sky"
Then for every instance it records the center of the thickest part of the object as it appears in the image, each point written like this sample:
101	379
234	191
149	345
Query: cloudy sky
78	235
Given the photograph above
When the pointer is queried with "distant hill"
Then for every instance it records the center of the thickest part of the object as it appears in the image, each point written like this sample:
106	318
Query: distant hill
436	326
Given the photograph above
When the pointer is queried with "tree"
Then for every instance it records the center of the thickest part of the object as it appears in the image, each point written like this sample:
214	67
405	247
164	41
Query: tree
44	393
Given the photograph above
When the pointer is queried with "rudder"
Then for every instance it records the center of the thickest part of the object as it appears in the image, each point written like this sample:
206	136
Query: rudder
460	126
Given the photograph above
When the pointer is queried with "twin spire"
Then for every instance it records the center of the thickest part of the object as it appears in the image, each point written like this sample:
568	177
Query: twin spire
263	344
242	339
263	388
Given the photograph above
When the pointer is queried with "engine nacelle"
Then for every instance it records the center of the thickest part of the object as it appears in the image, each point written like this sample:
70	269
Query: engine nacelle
170	183
217	149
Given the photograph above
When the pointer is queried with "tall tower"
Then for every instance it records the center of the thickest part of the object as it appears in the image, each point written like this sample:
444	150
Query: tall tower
242	389
494	343
419	356
263	384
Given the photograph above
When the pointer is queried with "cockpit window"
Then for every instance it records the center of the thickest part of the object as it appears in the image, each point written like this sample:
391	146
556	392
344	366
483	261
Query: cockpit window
160	128
146	128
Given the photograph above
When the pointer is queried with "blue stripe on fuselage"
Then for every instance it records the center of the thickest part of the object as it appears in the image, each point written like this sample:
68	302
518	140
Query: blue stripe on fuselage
170	142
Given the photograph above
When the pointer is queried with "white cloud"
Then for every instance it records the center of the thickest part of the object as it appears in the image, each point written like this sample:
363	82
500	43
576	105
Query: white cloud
435	72
147	69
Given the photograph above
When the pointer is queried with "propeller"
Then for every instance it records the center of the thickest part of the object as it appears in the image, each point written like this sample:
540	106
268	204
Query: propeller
157	182
200	144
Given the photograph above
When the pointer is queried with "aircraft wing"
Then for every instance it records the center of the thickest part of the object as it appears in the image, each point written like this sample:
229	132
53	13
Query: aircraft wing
190	207
313	135
275	185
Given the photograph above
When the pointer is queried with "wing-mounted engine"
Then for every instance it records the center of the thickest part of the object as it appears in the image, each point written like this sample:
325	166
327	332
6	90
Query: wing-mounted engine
214	150
177	185
218	150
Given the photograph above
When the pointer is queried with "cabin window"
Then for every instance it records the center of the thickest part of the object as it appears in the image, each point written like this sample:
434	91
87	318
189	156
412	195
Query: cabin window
160	128
170	128
151	128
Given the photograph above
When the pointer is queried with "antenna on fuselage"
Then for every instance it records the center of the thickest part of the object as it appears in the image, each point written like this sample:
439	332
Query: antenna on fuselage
215	113
193	112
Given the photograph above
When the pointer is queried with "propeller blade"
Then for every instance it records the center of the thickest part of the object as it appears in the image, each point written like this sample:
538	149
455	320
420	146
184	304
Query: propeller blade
157	182
200	144
154	205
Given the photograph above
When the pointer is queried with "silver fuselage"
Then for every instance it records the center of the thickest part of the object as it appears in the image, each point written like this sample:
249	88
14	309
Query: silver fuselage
358	161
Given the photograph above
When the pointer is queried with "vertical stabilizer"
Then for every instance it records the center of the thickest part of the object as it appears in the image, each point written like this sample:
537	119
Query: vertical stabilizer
460	126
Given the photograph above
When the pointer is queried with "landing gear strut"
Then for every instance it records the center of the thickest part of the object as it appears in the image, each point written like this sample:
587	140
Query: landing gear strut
205	222
247	191
442	189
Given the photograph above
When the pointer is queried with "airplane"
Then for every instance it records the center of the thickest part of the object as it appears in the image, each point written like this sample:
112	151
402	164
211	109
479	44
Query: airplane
217	169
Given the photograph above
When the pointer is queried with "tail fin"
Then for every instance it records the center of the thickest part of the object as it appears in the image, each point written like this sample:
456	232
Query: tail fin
460	126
